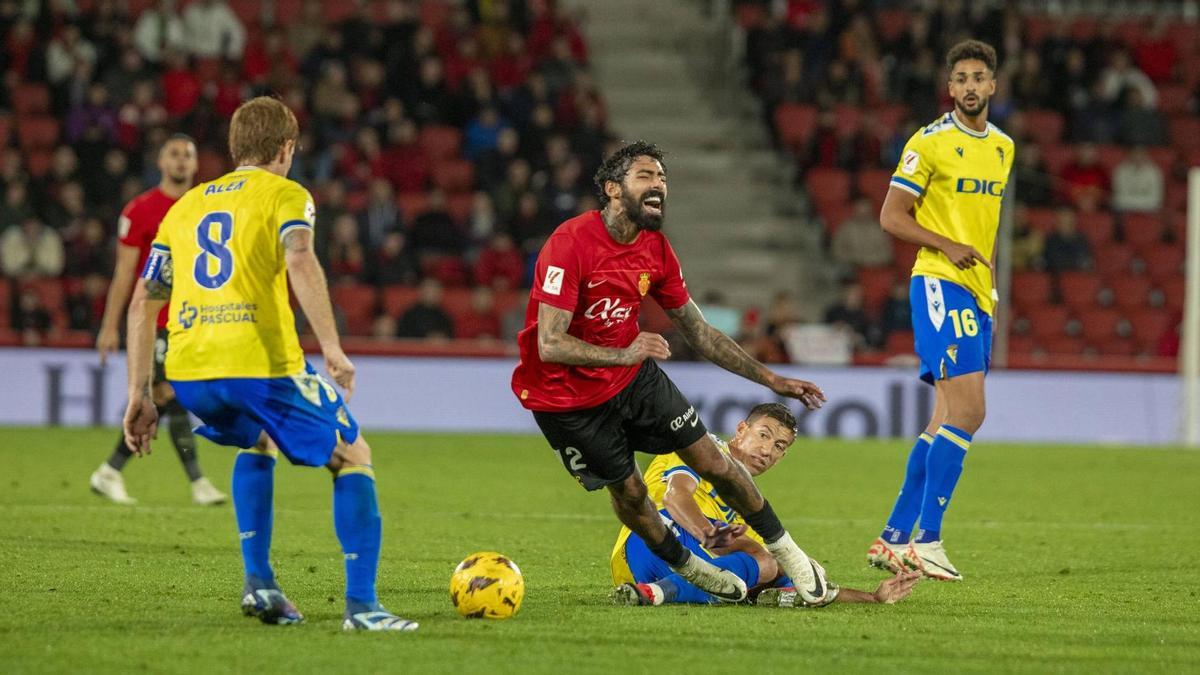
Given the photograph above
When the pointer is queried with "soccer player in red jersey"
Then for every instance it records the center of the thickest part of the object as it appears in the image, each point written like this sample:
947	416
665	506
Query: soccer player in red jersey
590	378
138	226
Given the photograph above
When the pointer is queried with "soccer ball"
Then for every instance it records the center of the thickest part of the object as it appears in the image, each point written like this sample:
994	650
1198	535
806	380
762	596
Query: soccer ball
487	585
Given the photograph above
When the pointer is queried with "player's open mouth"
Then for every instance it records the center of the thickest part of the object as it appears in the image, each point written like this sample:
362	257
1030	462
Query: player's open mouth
971	100
653	205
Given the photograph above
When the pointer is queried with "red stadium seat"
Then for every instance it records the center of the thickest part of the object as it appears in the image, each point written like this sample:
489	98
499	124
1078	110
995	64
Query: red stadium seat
873	184
828	186
1172	289
1114	345
459	206
412	204
899	342
1062	344
1130	292
37	132
1020	344
397	299
53	297
889	118
1048	320
795	123
1184	132
1037	27
1041	219
457	302
1079	289
1031	289
1084	29
1149	325
1184	35
1056	157
1044	126
1099	323
457	175
30	98
1142	229
1097	226
846	119
1163	260
1174	99
1113	259
440	143
435	13
892	23
37	162
876	283
507	300
1163	158
357	302
451	271
834	215
1109	156
1175	196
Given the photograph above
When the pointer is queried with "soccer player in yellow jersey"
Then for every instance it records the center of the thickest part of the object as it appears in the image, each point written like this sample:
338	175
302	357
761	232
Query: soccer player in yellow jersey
223	256
708	527
945	196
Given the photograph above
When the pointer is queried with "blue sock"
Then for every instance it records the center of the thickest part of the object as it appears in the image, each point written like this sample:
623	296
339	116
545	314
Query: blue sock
677	589
908	502
359	528
253	496
942	469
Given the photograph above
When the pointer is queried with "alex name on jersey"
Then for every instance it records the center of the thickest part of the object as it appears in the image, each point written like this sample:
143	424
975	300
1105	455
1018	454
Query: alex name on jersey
229	314
958	176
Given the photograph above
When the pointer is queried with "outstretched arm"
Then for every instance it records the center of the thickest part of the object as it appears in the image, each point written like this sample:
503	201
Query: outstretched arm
119	290
890	591
722	350
308	282
555	345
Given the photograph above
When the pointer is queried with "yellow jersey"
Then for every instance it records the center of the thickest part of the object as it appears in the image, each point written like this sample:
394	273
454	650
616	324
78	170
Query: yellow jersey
958	176
230	315
657	476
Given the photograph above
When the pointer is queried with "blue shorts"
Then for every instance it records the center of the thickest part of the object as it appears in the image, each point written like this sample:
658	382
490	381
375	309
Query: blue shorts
303	414
648	568
952	336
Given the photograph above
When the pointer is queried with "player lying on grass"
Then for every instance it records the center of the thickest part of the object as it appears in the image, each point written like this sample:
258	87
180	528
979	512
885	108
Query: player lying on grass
714	532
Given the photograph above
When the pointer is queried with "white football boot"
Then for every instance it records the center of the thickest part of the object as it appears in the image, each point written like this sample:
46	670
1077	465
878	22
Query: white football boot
806	574
108	482
722	584
887	556
205	494
930	559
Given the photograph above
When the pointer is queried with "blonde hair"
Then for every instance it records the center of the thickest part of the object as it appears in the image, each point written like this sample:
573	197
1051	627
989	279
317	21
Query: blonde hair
259	129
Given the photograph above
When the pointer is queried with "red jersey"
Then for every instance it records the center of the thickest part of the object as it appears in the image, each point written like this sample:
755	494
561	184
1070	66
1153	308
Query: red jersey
138	225
583	270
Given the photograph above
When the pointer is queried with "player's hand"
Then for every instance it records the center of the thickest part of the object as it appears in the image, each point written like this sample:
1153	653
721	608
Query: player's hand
646	346
141	424
897	588
964	257
339	367
721	537
107	342
806	392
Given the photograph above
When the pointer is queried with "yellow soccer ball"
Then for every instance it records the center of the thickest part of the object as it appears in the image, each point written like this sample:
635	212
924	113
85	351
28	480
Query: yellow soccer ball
487	585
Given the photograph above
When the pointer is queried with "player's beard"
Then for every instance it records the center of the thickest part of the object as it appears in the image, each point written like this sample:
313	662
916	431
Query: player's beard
181	178
636	212
980	106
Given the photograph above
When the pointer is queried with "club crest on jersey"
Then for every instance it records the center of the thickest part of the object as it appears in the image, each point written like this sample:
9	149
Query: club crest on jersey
959	151
644	283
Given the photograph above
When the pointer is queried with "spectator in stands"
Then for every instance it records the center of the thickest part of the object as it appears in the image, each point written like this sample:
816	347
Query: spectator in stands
379	217
482	134
500	265
67	212
1030	86
842	85
918	84
1155	53
1084	178
426	318
159	28
1066	248
781	313
859	241
492	166
1137	184
896	315
1028	243
93	120
563	193
1121	77
179	85
481	322
213	30
531	224
481	222
1033	180
16	207
139	113
347	257
433	232
66	52
31	318
1139	123
305	34
31	250
394	262
120	77
85	306
850	314
428	98
87	250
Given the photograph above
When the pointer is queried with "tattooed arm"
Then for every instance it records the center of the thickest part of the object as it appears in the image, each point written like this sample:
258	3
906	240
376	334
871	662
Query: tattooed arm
308	282
141	417
722	350
556	346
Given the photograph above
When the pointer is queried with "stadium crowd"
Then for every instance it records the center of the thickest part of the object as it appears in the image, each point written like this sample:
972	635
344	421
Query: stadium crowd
443	141
1103	111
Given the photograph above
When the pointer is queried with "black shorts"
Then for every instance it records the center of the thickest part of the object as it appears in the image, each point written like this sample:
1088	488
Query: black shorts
597	444
160	356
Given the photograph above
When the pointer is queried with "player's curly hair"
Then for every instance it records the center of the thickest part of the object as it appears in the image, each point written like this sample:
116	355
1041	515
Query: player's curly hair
776	411
617	164
972	49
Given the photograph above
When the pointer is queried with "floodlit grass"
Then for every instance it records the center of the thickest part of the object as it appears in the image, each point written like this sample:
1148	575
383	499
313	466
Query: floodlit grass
1075	559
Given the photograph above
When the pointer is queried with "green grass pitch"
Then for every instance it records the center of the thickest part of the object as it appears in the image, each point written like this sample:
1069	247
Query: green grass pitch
1075	559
